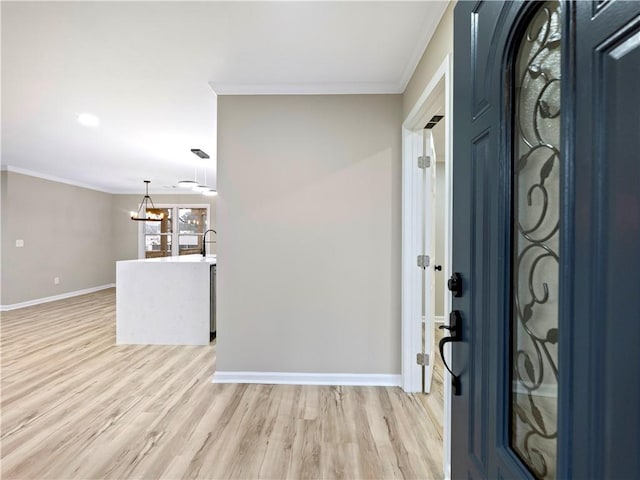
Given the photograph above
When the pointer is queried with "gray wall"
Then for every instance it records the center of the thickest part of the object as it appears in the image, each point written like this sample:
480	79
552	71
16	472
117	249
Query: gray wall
73	233
309	245
66	232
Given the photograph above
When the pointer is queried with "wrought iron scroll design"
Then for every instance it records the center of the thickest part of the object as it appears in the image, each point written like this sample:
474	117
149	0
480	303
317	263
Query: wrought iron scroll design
535	249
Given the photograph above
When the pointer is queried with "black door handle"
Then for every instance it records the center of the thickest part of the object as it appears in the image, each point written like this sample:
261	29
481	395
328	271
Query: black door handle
455	328
437	267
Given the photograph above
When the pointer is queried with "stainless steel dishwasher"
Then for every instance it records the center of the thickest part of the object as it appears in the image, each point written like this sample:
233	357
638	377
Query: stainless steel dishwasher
212	299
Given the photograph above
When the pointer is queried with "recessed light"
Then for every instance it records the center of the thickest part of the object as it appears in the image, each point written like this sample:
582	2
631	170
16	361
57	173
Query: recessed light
210	193
88	120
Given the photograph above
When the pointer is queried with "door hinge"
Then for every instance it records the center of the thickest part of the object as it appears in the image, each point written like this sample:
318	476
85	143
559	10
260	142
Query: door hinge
423	261
422	359
424	161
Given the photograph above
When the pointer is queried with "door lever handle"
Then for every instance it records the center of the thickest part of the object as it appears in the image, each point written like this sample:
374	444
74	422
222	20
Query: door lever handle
455	328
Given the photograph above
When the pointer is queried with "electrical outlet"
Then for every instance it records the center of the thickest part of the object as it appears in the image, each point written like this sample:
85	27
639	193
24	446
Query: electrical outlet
56	280
19	243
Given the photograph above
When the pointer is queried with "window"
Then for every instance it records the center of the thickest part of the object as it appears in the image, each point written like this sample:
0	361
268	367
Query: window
179	233
192	223
158	236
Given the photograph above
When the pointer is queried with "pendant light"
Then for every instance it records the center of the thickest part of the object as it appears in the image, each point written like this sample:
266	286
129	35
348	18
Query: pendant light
204	188
189	183
193	184
146	213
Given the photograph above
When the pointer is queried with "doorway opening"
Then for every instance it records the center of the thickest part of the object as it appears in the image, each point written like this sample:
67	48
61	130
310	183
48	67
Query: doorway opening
426	250
433	319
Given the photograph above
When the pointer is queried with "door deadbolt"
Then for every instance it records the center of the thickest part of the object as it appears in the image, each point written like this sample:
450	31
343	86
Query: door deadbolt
455	284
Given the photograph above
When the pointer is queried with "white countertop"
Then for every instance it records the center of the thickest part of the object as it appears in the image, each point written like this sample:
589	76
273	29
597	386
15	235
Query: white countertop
210	259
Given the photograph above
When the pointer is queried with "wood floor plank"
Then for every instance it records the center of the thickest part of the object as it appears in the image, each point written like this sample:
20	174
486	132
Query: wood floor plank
76	406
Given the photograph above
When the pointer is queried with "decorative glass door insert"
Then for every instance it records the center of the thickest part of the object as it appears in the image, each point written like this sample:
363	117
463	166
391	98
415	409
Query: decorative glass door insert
535	227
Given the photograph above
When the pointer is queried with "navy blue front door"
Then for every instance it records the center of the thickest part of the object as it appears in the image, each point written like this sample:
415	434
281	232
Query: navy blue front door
546	240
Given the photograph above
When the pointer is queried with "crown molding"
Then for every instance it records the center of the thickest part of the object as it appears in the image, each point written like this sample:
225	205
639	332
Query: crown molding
305	89
53	178
427	31
67	181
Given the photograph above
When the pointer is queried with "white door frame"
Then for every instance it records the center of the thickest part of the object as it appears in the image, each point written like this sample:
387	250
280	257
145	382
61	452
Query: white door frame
411	321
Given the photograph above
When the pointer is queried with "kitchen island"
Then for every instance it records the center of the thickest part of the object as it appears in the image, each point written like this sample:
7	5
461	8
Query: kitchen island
164	301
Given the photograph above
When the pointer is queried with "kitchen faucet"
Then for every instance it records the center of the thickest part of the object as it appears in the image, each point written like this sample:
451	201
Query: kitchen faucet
204	241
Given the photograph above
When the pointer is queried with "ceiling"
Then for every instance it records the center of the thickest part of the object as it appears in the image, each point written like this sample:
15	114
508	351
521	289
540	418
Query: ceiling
149	71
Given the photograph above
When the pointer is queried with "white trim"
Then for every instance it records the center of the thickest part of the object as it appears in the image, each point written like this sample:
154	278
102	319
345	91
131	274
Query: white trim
411	327
414	117
286	378
438	319
62	296
52	178
306	89
66	181
428	231
448	247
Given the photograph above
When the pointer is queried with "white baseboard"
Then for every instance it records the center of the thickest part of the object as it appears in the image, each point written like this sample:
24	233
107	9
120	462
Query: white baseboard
285	378
62	296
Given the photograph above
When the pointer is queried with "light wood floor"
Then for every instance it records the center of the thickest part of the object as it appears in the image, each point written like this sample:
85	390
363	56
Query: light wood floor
75	405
